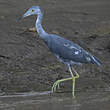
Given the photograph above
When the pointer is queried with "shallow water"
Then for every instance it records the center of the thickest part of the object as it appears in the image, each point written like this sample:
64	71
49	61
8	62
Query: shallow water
57	101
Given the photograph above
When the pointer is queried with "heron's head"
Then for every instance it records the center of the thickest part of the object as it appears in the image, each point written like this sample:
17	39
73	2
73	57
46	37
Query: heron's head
34	10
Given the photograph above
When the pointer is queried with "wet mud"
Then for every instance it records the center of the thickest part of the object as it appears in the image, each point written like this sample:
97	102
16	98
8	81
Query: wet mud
27	65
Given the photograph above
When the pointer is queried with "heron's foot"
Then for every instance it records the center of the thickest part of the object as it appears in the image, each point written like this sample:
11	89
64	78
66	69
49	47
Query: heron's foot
57	84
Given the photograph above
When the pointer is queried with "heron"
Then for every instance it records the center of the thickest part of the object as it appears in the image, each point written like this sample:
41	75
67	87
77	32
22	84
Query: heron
65	50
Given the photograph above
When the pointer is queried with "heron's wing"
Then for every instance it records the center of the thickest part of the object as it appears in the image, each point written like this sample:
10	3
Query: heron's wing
69	51
66	49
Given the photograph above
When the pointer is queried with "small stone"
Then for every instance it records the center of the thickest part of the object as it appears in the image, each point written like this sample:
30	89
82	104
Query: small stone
55	32
76	33
2	17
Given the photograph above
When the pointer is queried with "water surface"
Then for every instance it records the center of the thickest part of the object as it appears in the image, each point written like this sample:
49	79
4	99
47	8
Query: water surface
57	101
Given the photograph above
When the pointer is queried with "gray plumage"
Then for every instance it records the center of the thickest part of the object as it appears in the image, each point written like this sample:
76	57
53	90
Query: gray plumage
68	52
65	50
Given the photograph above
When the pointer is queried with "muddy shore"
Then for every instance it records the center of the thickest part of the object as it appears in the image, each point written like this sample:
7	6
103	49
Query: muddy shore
28	69
27	65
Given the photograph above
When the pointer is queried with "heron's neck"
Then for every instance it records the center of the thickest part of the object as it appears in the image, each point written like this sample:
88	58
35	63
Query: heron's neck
39	27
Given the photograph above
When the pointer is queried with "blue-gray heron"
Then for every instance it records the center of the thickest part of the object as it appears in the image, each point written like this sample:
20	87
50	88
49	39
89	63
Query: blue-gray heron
65	50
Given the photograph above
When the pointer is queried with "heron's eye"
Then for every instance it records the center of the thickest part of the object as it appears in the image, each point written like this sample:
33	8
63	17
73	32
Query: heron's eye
32	10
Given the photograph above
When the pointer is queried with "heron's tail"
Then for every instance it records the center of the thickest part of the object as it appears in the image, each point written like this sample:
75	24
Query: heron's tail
96	61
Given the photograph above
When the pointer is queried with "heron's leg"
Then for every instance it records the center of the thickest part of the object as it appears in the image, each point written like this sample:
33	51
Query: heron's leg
76	74
56	84
74	79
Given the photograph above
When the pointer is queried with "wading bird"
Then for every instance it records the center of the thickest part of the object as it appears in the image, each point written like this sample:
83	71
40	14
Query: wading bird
65	50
